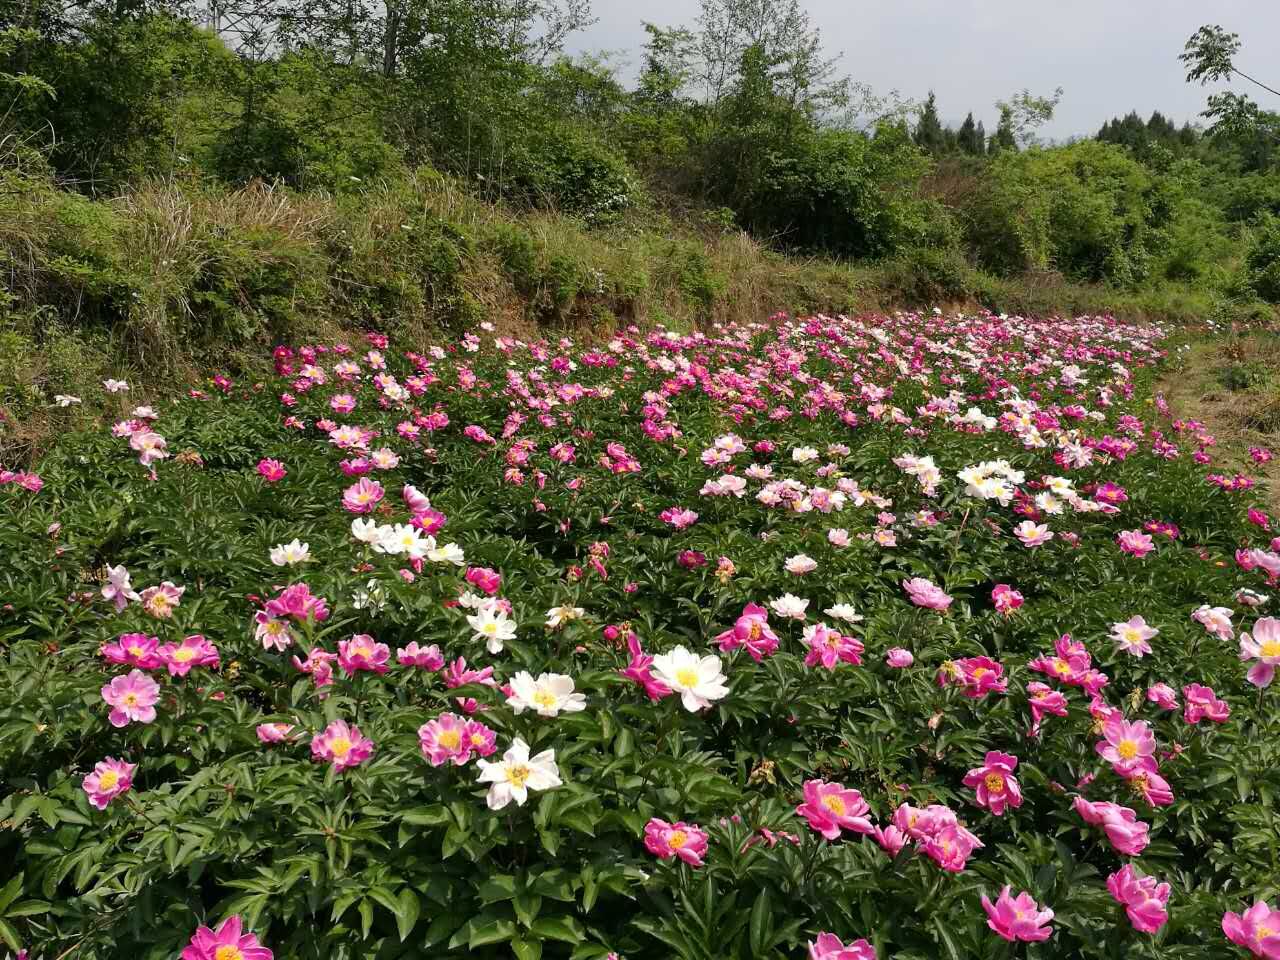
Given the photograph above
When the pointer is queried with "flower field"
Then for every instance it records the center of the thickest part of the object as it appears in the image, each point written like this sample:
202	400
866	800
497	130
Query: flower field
911	636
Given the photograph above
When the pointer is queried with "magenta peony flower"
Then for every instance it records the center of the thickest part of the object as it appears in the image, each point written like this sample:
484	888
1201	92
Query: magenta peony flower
193	651
750	630
831	807
1142	898
341	745
226	943
1200	703
995	783
830	947
1018	918
686	841
1257	930
272	471
134	649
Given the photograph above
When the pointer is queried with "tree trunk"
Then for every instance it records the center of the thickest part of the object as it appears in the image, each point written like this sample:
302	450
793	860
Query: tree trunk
390	40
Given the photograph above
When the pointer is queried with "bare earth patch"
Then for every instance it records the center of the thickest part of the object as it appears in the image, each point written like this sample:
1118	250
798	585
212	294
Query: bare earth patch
1231	383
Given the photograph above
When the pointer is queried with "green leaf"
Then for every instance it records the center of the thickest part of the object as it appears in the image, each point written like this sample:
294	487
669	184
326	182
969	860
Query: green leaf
494	931
761	925
559	928
527	949
10	892
407	917
10	936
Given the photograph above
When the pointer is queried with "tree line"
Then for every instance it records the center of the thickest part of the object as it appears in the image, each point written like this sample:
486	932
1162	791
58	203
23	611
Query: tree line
742	117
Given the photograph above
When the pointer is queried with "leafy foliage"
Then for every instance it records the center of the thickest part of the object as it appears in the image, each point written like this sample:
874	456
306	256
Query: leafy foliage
395	857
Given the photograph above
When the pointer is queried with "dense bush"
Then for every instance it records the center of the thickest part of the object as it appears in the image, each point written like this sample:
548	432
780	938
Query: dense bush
1262	265
904	574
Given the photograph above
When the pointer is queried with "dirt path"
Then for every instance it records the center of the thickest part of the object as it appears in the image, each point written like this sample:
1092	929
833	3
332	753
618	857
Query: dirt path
1232	385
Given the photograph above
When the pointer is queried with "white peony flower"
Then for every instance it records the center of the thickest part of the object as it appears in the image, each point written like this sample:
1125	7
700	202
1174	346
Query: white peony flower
698	680
287	554
517	773
548	696
492	626
789	605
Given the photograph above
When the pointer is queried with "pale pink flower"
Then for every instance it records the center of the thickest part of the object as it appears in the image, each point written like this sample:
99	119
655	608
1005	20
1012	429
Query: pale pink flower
109	779
925	593
132	697
1262	645
1132	636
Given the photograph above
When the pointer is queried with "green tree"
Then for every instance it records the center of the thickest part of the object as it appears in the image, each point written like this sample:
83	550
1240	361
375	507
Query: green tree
970	138
1003	138
928	134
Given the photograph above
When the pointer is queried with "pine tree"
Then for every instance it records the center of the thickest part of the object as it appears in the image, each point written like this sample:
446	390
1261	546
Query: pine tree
1003	138
969	139
928	135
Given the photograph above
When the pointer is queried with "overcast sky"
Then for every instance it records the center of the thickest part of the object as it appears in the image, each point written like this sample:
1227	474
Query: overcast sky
1109	56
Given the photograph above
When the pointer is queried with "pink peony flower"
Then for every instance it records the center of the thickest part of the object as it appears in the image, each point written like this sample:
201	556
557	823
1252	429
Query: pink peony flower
362	496
1262	645
683	840
640	671
898	658
830	947
226	943
109	779
1005	598
678	517
1201	703
891	839
1044	700
1017	918
427	658
925	593
132	697
976	676
1257	930
444	740
296	601
193	651
1216	620
1126	833
341	745
1132	636
134	649
118	589
485	580
750	630
1135	542
1128	747
1163	696
362	652
273	732
829	647
830	807
272	471
995	783
1033	534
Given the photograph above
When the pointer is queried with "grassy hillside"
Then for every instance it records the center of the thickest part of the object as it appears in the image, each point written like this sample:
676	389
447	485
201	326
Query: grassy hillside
171	275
